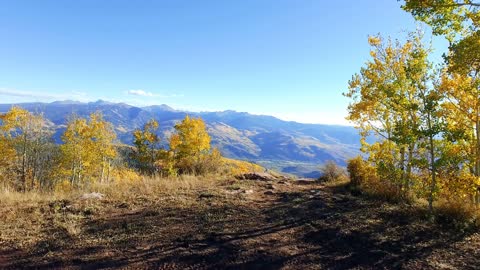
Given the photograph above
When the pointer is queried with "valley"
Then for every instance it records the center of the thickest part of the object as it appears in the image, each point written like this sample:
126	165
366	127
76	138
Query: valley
289	147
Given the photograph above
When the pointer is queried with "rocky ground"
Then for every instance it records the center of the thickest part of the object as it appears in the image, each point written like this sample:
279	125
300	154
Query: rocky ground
241	224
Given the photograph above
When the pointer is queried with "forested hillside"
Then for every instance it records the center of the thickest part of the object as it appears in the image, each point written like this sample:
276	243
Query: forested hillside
287	146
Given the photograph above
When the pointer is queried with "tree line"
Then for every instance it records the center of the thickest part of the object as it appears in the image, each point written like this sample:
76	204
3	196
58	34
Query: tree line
90	152
425	118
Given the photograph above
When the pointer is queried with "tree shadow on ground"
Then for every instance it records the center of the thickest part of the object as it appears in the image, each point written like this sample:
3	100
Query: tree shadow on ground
314	228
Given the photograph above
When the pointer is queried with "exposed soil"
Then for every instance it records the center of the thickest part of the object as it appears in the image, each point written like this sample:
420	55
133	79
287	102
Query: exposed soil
276	225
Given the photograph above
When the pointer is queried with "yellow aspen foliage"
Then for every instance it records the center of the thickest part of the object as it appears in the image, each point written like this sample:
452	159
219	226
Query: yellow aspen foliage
147	144
63	187
191	138
7	162
458	21
88	149
360	172
238	167
384	102
125	176
8	155
190	147
395	98
462	111
104	136
450	18
24	139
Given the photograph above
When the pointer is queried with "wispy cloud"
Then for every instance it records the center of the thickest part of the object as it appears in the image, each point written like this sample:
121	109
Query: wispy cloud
136	97
140	92
143	93
18	93
15	93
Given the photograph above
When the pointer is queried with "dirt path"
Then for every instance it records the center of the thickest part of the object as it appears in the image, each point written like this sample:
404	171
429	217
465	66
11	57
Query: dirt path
287	226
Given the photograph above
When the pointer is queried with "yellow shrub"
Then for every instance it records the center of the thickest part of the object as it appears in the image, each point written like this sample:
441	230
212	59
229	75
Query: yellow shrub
63	187
360	171
460	186
364	176
122	175
457	210
237	167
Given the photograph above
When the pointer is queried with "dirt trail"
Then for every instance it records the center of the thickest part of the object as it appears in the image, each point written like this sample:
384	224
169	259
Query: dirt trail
284	226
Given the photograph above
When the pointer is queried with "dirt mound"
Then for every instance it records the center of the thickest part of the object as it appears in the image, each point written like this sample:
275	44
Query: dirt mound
258	176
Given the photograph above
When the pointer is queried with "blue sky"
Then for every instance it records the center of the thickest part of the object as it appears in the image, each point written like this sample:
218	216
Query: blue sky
287	58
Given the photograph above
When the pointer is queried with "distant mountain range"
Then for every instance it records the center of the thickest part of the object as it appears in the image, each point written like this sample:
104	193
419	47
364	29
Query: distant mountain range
290	147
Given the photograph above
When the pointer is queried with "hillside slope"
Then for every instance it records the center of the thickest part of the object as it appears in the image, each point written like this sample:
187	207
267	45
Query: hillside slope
289	146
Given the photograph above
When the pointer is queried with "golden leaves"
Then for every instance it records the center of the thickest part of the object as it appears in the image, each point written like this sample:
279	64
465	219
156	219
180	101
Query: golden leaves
147	143
191	147
88	149
191	137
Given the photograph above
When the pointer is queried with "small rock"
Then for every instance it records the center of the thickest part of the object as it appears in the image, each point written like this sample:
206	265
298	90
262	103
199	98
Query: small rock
257	176
151	213
284	183
270	186
92	196
247	191
269	192
206	196
340	199
305	181
89	211
123	205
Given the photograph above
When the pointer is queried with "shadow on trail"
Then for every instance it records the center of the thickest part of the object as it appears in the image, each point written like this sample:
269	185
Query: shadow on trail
316	228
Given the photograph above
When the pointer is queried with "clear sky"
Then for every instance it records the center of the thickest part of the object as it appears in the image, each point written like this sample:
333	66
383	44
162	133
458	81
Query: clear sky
287	58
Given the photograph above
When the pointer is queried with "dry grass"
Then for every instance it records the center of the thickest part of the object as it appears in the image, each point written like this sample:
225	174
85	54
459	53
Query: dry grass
33	215
214	223
460	213
16	198
24	214
153	186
